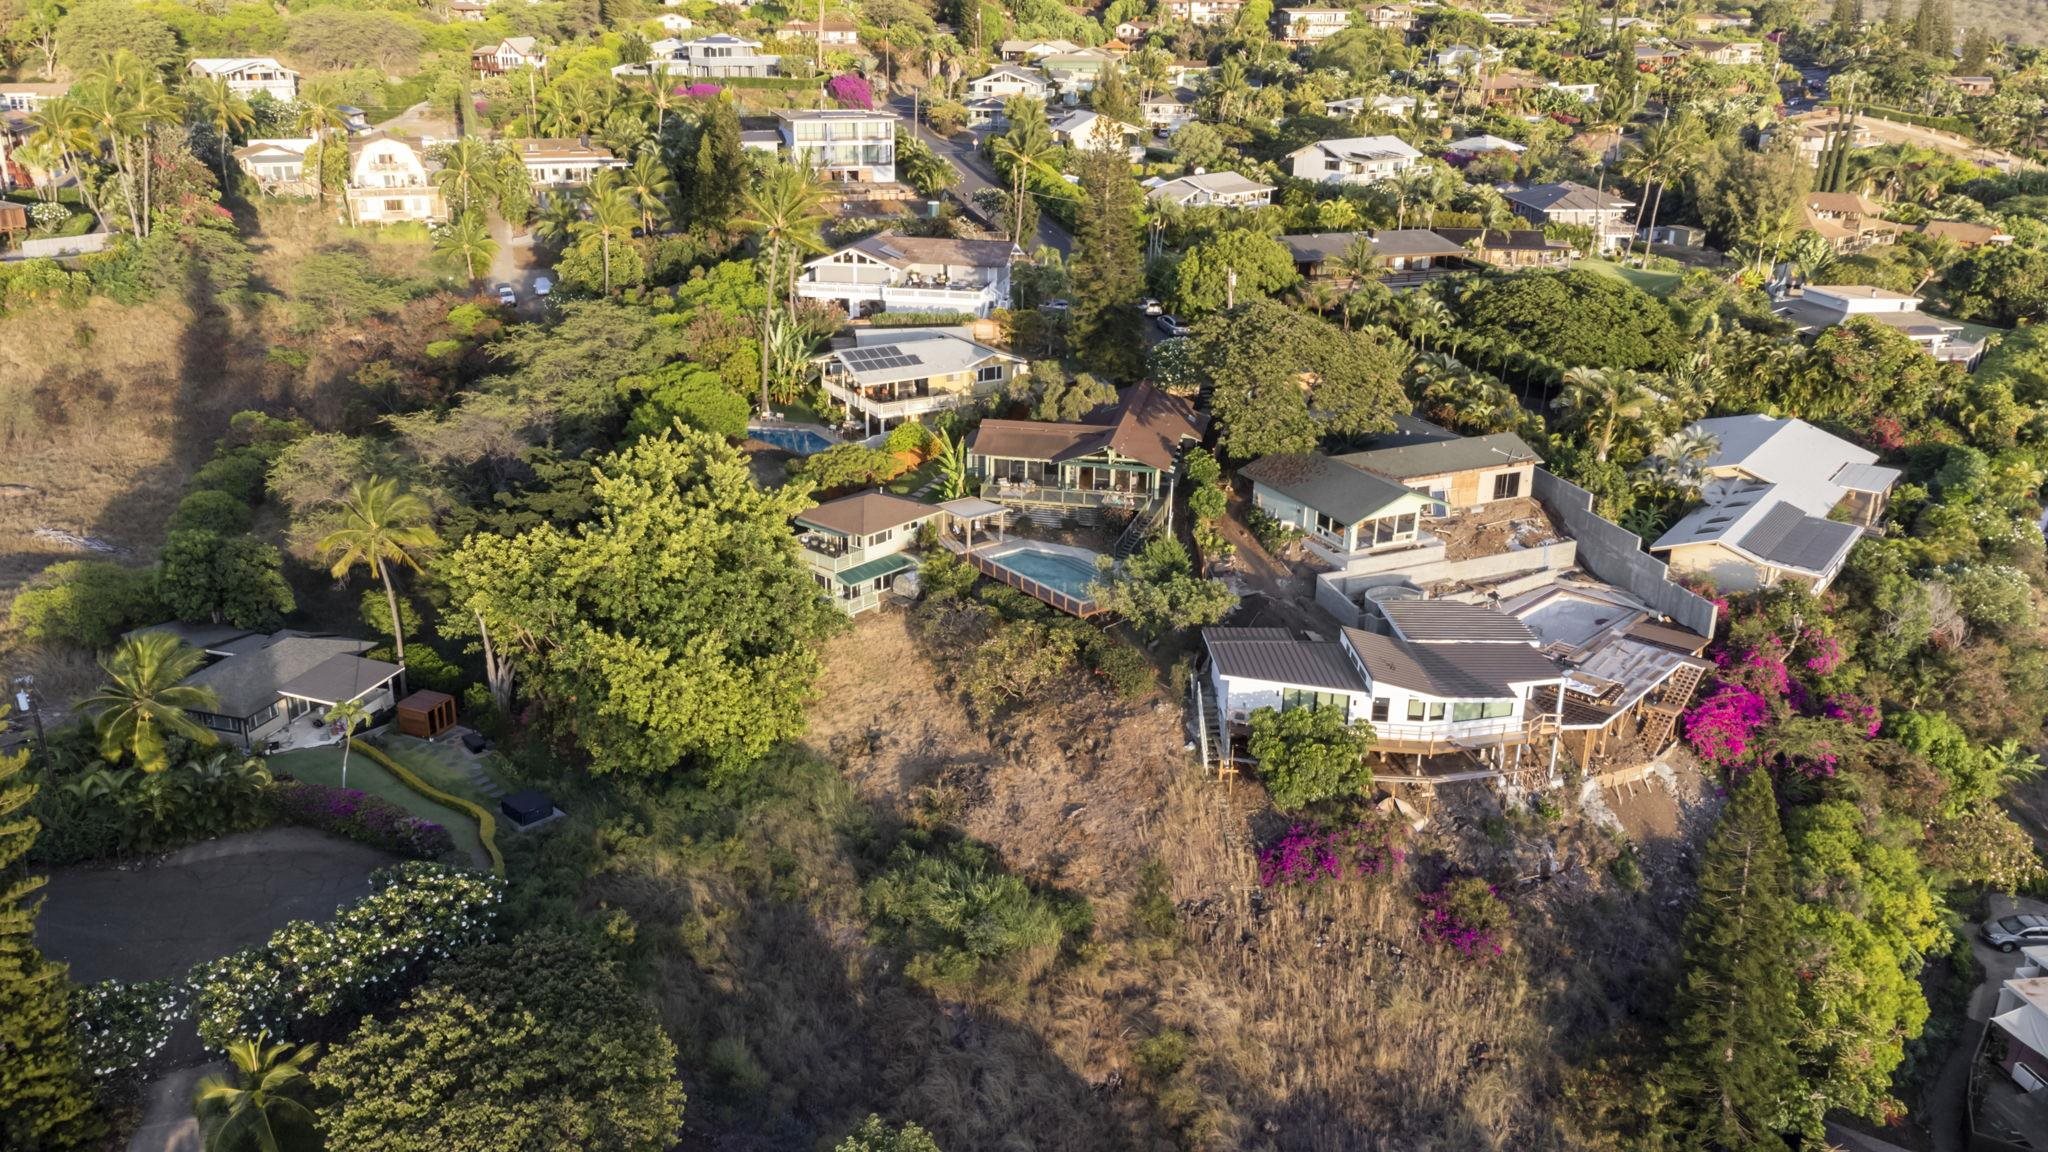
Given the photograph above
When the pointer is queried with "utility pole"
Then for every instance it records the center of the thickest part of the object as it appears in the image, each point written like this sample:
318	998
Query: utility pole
1229	288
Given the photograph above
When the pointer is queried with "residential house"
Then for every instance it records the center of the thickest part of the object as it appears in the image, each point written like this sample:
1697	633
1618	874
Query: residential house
509	54
1124	454
674	23
841	144
889	271
1007	80
1457	473
276	689
1169	111
1408	256
1389	17
1973	85
1446	678
1354	160
1212	189
720	55
857	547
1086	130
1072	73
1708	23
1343	513
1966	235
1676	236
1203	13
1815	133
1133	31
1783	501
1575	204
1035	50
1739	53
1310	24
1403	105
28	95
277	165
833	31
2021	1014
1514	248
1511	20
1652	57
892	375
467	11
248	75
563	163
1849	221
1465	150
1460	60
1818	307
388	181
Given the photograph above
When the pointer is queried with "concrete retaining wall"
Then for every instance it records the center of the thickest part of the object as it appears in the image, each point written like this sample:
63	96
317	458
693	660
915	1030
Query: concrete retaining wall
1616	555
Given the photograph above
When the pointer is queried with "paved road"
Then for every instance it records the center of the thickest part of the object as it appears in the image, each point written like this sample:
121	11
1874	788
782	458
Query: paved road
1946	1109
976	174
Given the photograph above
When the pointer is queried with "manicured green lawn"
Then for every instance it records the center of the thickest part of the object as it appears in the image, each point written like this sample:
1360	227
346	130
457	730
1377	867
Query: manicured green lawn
1651	280
323	766
443	765
916	478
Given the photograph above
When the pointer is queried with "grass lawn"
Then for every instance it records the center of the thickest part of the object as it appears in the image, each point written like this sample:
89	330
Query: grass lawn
798	412
443	765
323	766
916	478
1651	280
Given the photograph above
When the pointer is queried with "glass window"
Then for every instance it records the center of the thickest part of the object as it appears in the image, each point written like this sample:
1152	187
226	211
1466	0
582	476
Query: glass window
1498	708
1380	707
1465	710
1437	709
1405	525
993	372
1507	485
1415	708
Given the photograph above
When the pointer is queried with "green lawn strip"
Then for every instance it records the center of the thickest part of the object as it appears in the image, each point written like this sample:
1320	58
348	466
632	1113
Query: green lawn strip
323	766
916	478
443	766
1656	283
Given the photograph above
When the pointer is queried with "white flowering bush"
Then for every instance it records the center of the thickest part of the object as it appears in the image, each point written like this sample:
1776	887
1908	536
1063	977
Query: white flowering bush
48	217
120	1027
371	953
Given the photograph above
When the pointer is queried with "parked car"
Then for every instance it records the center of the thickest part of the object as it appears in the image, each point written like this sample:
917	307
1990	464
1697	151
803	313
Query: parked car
507	295
542	285
1171	325
2015	932
1152	307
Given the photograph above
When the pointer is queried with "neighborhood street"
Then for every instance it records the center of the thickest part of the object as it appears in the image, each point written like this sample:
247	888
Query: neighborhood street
976	174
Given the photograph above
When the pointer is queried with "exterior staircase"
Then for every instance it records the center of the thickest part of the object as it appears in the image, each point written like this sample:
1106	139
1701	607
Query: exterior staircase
1143	525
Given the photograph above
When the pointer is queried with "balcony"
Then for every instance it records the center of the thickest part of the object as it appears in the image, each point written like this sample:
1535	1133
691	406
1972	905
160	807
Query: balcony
905	407
820	554
1019	492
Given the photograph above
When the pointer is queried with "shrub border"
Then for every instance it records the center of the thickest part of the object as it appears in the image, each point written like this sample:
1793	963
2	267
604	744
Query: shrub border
486	823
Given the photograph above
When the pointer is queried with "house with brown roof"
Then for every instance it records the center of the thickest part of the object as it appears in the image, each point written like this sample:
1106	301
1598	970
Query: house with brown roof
1973	85
1122	455
857	547
1510	248
912	274
1572	203
1849	221
1964	234
563	162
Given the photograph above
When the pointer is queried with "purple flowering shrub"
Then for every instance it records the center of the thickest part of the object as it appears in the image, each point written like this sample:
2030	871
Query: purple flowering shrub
850	91
1722	728
1768	702
1309	854
1465	913
359	816
702	91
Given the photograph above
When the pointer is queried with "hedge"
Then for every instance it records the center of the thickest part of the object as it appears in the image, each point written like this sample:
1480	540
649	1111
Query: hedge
486	823
919	319
1955	124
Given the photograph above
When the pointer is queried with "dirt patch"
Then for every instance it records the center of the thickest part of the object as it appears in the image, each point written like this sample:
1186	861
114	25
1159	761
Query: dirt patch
1491	529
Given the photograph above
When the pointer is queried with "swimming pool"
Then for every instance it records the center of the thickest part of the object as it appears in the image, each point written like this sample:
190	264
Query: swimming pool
1054	573
801	441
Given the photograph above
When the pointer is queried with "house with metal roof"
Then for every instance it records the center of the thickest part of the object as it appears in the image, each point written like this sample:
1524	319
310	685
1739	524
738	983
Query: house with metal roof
1211	189
566	162
1458	472
858	547
1783	501
1408	256
1352	160
890	375
1122	455
277	688
1445	678
1088	131
720	54
1006	81
912	274
1344	514
248	75
1817	307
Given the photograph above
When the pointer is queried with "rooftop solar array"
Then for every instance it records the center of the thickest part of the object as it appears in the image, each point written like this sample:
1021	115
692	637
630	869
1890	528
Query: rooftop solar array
879	358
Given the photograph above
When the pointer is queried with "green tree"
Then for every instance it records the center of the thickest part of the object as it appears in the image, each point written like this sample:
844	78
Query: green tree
1067	398
786	209
539	1043
84	602
1575	317
464	243
263	1107
649	186
145	699
45	1101
1235	265
675	625
1197	145
93	32
233	579
1265	361
719	175
1159	591
1108	270
874	1136
1307	755
225	111
609	223
689	393
1603	404
383	526
1732	1075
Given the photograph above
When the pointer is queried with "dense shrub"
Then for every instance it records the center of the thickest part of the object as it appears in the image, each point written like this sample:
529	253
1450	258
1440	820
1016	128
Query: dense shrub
85	602
1310	853
121	1028
1466	914
1307	755
358	816
211	510
965	924
105	813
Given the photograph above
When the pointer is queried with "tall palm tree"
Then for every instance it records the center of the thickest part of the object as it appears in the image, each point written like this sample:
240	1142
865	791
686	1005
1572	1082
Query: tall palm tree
786	209
1027	149
649	186
320	117
1657	157
1316	296
611	219
351	715
1681	458
466	240
1602	402
555	221
468	173
144	699
382	525
155	106
63	126
263	1108
225	111
110	112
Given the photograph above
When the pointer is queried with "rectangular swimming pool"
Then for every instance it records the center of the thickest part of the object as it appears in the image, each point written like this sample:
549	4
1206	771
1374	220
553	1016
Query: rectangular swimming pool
1057	575
801	441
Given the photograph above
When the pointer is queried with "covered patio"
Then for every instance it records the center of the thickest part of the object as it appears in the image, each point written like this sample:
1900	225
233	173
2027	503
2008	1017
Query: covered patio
337	680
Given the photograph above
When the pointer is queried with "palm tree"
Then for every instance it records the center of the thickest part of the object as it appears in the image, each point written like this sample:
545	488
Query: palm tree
466	240
660	96
611	218
1027	148
62	126
350	714
1316	296
1601	401
1361	262
1681	458
785	207
468	173
555	221
264	1106
1657	157
226	111
145	697
320	117
106	107
382	525
1811	253
649	186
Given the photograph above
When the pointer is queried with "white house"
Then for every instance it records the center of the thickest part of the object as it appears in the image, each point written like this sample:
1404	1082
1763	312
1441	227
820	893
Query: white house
718	55
248	75
1821	306
1464	59
1395	105
1169	111
28	95
1086	130
1207	189
1007	80
1035	49
892	272
1446	677
508	54
1076	72
277	165
1203	13
849	144
890	375
1311	24
1481	145
858	546
563	163
1354	160
674	22
388	181
1783	501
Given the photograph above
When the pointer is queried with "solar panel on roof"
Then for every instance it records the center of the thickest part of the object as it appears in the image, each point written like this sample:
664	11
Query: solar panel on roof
877	359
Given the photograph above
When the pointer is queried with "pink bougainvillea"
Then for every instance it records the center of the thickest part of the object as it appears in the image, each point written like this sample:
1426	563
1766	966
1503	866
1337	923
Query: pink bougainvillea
1464	914
1310	853
1722	728
1887	434
850	91
1855	712
702	91
1824	652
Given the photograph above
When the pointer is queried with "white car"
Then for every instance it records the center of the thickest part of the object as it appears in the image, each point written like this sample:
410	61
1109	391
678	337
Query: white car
507	296
1152	307
542	286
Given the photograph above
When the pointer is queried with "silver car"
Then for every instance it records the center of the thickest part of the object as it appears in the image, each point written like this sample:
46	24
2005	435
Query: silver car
2016	932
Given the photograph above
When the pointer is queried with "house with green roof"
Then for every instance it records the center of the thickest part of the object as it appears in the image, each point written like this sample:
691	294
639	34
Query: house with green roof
857	547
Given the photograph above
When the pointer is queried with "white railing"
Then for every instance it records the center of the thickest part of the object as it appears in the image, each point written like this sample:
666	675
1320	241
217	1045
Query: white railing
851	558
964	298
909	406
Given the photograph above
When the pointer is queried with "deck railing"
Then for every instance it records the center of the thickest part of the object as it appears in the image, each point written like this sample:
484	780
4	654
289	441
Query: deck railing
1020	493
1081	606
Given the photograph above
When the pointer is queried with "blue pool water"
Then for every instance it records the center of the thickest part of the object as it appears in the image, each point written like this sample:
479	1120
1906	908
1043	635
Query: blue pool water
801	441
1055	570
